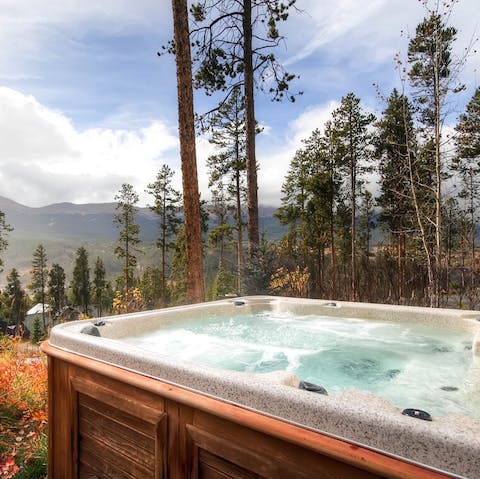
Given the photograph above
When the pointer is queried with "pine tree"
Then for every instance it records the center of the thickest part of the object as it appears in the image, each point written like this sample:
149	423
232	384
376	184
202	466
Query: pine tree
224	283
151	286
310	192
39	278
56	289
5	228
167	205
80	284
394	134
233	44
99	286
227	167
36	335
221	235
353	143
178	275
432	75
467	166
14	299
366	222
191	198
128	239
294	198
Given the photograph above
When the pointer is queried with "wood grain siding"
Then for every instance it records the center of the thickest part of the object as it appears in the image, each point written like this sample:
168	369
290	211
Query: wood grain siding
236	448
117	436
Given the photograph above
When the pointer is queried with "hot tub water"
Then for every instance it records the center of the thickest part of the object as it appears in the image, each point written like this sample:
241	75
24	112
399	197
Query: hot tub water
409	364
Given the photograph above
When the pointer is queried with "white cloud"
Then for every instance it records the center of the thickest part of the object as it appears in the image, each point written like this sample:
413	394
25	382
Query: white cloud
44	30
365	34
331	22
44	159
275	162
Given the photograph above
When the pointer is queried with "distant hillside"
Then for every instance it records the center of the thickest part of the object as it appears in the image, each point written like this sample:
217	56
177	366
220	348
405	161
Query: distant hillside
63	227
72	221
62	221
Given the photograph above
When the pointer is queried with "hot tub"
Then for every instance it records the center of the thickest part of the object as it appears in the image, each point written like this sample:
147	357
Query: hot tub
171	393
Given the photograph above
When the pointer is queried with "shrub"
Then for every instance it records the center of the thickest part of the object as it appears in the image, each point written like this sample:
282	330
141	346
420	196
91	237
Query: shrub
23	411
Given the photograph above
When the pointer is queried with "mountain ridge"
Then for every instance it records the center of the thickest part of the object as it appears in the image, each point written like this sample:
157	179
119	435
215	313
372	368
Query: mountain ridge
8	205
64	227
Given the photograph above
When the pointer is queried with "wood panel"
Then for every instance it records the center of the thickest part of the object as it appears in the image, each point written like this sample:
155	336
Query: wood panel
107	433
260	456
211	466
117	435
61	434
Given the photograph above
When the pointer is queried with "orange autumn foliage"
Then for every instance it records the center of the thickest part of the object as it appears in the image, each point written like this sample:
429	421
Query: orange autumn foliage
23	406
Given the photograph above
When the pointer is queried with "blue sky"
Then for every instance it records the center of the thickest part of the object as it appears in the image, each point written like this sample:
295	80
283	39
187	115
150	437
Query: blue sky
86	104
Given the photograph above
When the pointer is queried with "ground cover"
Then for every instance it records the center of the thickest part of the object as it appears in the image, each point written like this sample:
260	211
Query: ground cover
23	410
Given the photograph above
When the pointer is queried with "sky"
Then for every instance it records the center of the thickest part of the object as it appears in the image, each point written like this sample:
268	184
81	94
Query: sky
86	104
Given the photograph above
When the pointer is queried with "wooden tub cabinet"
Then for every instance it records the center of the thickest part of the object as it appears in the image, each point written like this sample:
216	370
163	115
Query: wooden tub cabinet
107	422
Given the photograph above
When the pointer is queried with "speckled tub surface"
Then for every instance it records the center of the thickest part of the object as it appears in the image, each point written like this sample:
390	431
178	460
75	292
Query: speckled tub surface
450	443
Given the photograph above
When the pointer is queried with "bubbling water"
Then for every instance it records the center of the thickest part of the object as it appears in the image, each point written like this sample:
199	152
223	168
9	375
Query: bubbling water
409	364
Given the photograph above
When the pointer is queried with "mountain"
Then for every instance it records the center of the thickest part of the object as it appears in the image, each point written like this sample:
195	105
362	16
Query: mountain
63	227
62	221
72	221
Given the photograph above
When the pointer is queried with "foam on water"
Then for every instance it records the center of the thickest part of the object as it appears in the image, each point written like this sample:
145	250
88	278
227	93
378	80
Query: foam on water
411	365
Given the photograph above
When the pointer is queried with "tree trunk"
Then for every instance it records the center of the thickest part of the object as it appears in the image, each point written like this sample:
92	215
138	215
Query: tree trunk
191	199
238	199
353	187
252	187
472	235
164	251
353	284
239	228
438	189
127	256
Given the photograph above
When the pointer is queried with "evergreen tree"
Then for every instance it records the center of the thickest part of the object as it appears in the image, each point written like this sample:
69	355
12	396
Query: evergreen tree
294	197
80	284
224	283
233	43
14	299
178	275
39	278
5	228
353	143
227	167
36	334
191	198
167	205
178	289
259	270
128	239
99	286
467	166
343	246
468	135
152	286
56	289
366	222
432	75
310	192
221	234
394	134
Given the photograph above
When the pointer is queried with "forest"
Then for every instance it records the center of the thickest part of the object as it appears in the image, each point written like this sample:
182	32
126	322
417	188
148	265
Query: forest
403	171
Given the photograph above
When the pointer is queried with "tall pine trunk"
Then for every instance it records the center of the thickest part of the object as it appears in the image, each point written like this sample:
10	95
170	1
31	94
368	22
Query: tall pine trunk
164	252
252	187
353	188
239	228
191	199
435	300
